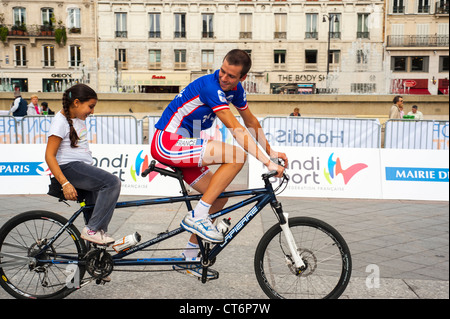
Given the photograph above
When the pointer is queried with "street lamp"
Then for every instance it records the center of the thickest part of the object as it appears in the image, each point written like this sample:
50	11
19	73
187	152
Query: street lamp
331	18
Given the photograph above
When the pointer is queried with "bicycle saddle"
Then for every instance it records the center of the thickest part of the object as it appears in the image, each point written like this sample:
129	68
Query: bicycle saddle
55	190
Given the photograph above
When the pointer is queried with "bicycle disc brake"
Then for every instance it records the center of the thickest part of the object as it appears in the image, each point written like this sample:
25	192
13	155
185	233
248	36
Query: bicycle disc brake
99	263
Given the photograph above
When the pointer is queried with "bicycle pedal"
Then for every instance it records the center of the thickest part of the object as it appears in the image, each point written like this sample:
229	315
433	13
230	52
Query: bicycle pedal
214	273
102	281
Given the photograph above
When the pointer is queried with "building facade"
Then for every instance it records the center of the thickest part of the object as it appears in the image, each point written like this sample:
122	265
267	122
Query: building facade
417	46
157	46
297	46
48	45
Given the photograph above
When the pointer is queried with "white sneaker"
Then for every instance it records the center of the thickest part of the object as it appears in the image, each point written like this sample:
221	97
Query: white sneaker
195	270
202	227
97	237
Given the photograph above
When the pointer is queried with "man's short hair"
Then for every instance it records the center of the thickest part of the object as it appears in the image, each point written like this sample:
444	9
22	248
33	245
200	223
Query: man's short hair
414	107
239	57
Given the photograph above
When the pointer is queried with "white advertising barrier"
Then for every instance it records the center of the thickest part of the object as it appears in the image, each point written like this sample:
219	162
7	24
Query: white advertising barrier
23	169
326	172
415	174
362	173
102	129
322	132
408	134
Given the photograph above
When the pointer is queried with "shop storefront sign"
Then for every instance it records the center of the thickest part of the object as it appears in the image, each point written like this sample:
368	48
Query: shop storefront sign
301	77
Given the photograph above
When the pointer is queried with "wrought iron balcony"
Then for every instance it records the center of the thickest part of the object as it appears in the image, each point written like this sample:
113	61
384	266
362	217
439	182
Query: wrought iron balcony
417	41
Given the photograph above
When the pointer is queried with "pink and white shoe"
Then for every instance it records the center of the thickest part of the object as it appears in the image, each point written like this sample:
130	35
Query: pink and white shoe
98	237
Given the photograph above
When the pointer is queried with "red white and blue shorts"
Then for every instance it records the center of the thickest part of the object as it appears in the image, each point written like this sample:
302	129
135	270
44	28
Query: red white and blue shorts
182	152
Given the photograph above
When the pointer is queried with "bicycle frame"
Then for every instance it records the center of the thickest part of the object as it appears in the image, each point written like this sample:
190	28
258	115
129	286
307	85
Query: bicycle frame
262	197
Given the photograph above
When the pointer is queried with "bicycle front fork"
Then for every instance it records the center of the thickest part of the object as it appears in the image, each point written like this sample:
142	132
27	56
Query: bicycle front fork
284	224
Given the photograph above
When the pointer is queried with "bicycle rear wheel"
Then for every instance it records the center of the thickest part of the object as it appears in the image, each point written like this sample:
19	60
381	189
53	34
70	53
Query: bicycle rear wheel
324	252
22	273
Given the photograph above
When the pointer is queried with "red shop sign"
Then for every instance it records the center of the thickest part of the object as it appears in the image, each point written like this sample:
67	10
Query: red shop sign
409	83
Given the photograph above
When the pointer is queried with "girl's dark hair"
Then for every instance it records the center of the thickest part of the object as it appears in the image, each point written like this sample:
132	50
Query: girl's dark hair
239	57
80	92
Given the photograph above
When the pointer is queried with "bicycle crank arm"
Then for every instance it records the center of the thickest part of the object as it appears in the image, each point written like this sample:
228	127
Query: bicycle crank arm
298	261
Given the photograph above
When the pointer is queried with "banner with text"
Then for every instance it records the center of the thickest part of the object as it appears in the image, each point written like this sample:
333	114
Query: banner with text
23	169
362	173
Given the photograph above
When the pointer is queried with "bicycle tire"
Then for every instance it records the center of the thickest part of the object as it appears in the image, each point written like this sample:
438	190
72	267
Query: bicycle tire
324	252
22	236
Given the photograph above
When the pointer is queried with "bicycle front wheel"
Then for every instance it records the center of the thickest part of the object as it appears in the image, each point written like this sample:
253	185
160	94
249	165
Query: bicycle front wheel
26	271
324	252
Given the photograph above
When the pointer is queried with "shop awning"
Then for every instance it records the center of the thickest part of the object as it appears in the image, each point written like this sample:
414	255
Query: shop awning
444	91
413	91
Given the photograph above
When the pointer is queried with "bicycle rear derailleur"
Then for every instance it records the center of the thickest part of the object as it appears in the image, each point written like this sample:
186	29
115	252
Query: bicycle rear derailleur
99	264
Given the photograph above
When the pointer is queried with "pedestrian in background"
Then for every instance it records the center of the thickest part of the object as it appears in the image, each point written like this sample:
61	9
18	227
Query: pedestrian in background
19	105
394	113
416	113
33	107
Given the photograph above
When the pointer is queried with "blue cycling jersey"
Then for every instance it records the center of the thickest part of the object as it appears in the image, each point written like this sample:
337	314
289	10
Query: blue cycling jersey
193	109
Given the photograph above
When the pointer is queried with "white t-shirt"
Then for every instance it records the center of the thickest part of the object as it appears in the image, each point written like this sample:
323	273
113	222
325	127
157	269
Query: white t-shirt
66	153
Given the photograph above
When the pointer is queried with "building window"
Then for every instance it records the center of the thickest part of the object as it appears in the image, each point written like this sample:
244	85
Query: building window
362	60
180	25
207	26
74	55
207	59
443	64
180	59
334	57
361	57
154	59
280	26
398	6
363	88
47	17
419	64
20	58
19	15
48	52
74	19
310	60
246	26
423	6
121	25
335	25
311	26
121	58
398	63
155	25
279	59
311	56
363	26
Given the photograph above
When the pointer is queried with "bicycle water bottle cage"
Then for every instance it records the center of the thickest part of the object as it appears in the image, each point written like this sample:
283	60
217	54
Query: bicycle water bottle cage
55	190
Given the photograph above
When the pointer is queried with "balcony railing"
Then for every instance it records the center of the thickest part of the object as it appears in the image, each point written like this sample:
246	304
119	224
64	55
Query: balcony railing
362	35
154	34
335	35
121	34
398	9
180	34
423	9
207	35
245	35
279	35
417	41
442	8
311	35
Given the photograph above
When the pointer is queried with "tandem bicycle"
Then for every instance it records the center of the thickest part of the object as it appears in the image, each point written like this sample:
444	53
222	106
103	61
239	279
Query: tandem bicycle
298	257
